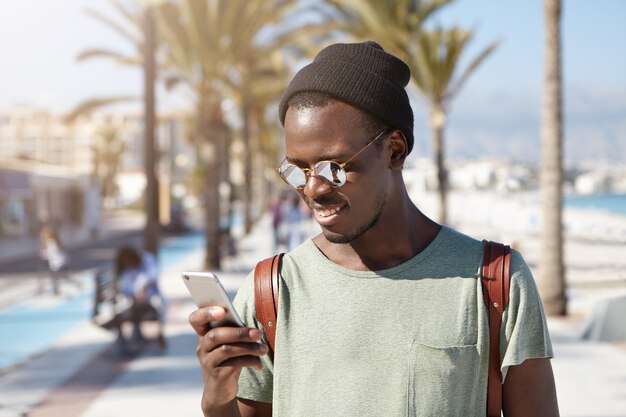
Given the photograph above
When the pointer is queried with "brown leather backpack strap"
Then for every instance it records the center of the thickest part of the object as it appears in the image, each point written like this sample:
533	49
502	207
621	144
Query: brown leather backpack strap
266	295
495	282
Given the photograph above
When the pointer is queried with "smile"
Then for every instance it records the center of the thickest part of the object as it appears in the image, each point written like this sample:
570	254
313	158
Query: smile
328	216
328	212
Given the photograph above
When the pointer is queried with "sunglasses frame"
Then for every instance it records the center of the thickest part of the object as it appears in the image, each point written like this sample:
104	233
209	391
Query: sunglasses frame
309	172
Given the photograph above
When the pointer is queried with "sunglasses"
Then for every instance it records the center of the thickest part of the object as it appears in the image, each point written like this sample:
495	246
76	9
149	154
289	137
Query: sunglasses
332	172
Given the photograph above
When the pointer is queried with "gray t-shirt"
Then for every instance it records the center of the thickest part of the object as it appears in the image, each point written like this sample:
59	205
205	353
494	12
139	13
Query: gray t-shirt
411	340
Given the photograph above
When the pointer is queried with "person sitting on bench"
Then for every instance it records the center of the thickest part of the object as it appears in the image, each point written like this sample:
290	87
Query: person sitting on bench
137	272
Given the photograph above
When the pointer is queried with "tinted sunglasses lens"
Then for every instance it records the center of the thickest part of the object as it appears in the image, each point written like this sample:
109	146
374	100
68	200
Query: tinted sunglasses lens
293	175
331	172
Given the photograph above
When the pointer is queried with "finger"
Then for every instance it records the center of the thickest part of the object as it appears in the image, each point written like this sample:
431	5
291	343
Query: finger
234	365
223	354
228	335
244	362
201	318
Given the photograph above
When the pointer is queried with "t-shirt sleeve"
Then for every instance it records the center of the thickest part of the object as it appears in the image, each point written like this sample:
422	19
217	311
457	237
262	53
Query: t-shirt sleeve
524	333
253	385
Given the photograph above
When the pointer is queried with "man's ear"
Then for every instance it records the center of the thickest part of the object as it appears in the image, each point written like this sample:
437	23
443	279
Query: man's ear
399	148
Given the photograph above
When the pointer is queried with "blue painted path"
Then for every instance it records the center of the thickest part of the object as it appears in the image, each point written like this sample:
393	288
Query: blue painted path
30	327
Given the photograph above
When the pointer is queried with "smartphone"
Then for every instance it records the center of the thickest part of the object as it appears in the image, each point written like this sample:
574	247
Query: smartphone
206	290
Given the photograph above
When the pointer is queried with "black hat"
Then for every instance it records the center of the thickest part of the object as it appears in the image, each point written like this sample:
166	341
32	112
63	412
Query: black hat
360	74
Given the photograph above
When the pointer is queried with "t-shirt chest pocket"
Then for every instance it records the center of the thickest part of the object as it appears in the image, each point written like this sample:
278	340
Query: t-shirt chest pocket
442	379
444	363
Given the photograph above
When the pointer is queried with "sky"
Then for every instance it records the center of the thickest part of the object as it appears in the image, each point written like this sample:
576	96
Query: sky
499	107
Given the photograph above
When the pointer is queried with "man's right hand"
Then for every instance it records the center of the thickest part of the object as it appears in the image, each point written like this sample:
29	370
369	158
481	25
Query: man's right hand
222	352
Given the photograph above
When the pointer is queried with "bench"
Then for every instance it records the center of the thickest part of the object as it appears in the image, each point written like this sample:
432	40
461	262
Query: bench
111	310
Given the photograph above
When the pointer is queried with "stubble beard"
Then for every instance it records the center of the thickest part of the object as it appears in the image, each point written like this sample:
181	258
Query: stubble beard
342	239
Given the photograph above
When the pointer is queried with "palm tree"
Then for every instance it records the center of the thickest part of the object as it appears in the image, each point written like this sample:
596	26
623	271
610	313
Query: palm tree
195	35
258	73
551	267
139	29
131	30
434	62
392	23
262	77
153	225
223	49
107	155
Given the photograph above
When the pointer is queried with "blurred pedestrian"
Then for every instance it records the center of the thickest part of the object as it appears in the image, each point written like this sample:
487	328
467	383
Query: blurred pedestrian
276	209
293	221
55	257
138	275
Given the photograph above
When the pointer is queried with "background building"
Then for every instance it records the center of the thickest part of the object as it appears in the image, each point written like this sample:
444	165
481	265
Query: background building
68	175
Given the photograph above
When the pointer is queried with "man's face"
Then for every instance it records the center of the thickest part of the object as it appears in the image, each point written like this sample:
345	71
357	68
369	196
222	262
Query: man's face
336	132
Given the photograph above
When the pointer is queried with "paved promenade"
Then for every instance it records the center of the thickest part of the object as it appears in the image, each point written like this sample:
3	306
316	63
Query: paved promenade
80	375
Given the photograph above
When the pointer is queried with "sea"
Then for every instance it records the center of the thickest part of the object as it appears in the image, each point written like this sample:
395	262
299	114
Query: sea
610	203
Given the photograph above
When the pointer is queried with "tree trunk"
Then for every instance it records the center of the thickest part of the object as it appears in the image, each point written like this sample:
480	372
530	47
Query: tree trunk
209	137
230	199
438	122
246	194
151	204
256	166
551	277
222	137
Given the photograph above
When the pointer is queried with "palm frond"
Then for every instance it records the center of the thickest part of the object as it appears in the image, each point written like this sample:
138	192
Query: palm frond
454	90
436	62
176	46
425	9
133	38
132	16
115	56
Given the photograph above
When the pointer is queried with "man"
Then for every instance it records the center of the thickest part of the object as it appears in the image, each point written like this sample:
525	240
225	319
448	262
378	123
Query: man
381	314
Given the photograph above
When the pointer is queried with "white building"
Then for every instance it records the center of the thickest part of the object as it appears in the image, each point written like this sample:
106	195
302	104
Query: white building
470	175
29	133
49	172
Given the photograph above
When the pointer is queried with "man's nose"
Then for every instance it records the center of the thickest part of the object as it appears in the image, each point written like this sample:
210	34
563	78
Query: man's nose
316	186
